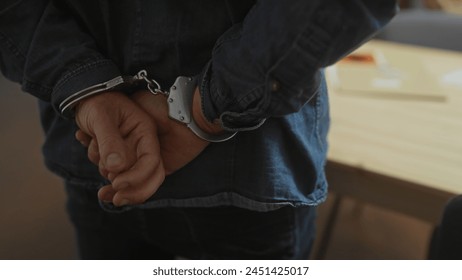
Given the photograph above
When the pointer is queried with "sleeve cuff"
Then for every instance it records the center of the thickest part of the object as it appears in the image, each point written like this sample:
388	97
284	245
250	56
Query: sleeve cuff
230	121
87	75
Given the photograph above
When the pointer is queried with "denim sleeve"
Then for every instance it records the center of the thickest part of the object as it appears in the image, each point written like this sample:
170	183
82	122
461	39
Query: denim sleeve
43	48
270	64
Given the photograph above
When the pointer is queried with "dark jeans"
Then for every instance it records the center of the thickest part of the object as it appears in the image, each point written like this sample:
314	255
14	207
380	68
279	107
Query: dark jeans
193	233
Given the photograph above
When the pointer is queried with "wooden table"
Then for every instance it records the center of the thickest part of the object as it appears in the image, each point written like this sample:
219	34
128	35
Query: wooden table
451	6
402	154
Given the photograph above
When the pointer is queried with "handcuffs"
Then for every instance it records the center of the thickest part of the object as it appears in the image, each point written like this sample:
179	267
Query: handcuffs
179	100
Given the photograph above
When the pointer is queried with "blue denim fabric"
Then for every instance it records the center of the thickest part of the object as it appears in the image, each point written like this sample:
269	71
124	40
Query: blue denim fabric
279	164
193	233
255	60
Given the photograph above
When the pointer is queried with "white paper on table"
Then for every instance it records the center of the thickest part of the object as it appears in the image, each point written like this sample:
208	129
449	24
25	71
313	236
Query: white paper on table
453	78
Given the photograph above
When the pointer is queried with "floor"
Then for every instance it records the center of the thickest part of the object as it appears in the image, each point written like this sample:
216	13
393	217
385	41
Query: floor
365	231
35	226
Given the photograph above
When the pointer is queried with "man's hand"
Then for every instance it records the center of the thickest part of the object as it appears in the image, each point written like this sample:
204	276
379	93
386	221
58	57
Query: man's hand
178	145
122	140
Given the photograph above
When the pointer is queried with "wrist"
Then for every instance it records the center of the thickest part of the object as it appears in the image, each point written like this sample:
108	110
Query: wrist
184	105
200	119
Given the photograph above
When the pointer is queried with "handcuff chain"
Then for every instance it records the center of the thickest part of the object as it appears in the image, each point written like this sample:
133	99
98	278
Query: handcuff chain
152	85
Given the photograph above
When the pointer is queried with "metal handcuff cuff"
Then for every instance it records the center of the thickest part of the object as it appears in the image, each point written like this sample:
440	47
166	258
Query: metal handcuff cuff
179	100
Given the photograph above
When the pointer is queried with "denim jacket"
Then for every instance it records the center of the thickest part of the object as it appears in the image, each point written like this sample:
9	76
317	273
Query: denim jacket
254	61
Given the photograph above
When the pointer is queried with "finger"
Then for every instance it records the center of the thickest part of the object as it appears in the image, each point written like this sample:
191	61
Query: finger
83	138
93	152
111	146
94	157
100	116
131	145
111	176
106	193
148	159
103	171
140	182
139	173
140	193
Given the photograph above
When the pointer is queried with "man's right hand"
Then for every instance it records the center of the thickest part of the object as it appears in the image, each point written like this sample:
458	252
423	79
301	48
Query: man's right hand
178	144
122	140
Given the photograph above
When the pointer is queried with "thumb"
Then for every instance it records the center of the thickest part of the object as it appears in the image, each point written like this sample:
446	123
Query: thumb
101	119
111	145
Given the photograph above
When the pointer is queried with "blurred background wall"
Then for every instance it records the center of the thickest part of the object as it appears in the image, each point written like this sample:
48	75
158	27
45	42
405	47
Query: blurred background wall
33	222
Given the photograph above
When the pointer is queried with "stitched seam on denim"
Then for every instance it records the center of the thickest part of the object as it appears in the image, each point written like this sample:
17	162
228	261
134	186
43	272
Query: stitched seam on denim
230	199
253	95
79	70
9	44
239	129
33	87
86	183
318	119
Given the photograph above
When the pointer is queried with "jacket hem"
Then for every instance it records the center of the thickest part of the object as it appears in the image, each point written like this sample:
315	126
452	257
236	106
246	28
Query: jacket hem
222	199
